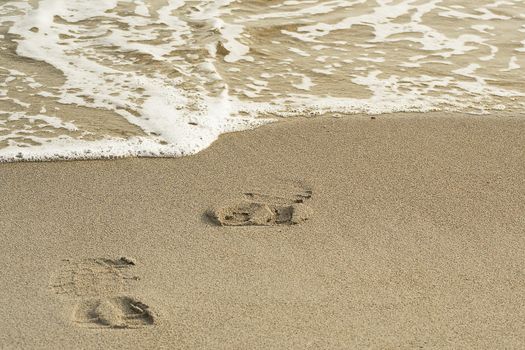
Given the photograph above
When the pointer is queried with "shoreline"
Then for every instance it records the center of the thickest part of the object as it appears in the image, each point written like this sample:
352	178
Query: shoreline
138	147
416	239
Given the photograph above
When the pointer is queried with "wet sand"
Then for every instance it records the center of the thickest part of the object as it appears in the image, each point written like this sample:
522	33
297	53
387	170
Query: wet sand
415	240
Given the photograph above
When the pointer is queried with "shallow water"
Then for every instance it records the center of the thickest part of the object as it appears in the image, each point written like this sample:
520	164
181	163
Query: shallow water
107	78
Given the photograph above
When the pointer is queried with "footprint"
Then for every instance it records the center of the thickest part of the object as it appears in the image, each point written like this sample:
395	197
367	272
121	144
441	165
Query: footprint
93	277
98	285
114	312
286	207
300	197
246	213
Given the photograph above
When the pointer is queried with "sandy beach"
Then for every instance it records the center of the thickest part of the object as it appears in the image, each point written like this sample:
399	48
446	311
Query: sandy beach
415	239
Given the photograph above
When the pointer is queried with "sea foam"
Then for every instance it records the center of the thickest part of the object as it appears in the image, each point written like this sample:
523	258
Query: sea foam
180	73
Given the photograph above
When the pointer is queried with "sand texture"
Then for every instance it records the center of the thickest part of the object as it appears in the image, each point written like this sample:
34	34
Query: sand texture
396	232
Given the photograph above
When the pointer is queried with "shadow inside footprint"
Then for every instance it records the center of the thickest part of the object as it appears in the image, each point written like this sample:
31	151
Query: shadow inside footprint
115	312
121	262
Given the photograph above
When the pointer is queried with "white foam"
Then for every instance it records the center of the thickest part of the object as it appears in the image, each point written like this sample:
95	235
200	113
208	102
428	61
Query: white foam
306	83
298	51
141	9
513	64
165	110
160	65
49	120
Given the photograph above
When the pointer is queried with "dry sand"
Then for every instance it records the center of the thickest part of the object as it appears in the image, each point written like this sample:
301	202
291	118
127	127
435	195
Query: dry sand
415	239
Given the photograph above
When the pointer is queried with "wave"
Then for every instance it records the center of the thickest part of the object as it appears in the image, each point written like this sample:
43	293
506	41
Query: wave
166	78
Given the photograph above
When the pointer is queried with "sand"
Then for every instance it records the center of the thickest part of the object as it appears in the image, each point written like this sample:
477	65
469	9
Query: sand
413	237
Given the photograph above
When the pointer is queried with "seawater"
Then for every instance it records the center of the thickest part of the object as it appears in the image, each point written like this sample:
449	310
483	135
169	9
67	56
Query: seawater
105	78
